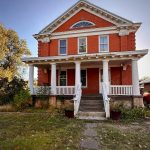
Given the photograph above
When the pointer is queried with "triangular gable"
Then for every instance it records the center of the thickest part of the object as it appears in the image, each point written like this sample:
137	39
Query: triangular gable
84	5
83	15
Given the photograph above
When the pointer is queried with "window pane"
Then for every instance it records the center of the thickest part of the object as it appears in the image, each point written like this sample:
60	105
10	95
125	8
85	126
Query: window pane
62	82
62	46
82	24
63	73
82	45
104	40
82	49
63	50
82	41
104	47
62	43
63	78
83	77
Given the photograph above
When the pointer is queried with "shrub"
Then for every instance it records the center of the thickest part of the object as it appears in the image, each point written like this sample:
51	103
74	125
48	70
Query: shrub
133	114
8	89
22	98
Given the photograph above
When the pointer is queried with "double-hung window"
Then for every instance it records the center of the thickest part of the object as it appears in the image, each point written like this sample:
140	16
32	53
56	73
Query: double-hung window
104	43
84	78
63	78
82	45
63	47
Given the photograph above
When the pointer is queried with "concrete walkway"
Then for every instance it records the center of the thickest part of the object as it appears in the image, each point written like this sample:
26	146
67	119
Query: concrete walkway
90	140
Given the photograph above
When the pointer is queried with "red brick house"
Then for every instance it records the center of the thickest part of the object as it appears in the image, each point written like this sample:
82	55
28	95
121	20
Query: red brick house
87	45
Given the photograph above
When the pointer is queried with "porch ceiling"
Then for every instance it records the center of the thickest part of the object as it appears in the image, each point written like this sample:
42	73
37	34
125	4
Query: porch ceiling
114	57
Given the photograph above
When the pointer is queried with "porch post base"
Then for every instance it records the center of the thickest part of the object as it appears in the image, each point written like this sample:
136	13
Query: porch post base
52	100
138	101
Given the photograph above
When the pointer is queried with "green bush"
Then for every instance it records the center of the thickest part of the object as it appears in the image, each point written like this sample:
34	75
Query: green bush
8	89
22	98
133	114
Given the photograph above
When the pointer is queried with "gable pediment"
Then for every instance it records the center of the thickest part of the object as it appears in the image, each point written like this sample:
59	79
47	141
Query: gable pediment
83	16
83	6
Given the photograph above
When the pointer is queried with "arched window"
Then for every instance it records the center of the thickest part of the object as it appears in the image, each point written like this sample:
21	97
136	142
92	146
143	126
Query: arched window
81	24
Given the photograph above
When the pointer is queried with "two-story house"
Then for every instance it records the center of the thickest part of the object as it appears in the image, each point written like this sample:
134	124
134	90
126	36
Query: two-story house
88	49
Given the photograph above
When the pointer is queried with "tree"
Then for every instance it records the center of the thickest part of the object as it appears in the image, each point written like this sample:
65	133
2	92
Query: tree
12	48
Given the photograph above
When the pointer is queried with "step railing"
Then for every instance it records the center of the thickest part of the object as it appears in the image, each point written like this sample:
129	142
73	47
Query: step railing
77	98
121	90
106	99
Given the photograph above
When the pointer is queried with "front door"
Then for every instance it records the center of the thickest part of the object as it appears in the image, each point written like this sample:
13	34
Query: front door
90	81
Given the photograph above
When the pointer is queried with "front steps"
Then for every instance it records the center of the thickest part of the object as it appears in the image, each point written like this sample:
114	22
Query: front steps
91	108
91	115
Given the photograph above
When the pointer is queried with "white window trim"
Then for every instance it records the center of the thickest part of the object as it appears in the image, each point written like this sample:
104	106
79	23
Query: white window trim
66	47
86	78
86	45
66	77
104	35
93	24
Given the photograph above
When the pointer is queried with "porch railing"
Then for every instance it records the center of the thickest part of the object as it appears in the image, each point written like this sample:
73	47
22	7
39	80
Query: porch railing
121	90
65	90
60	90
42	90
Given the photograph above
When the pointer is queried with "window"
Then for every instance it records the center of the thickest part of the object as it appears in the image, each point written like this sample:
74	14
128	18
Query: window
83	78
104	46
62	47
82	24
82	45
63	78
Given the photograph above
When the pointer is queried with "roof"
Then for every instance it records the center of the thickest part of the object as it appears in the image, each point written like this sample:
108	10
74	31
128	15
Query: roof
85	5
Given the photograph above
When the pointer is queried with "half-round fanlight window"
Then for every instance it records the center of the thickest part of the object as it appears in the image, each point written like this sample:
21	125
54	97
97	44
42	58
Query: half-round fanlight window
82	24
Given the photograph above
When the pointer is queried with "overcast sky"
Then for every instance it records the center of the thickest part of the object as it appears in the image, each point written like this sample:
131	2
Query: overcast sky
28	17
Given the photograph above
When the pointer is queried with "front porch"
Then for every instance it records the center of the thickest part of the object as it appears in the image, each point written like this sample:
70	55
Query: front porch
62	78
107	74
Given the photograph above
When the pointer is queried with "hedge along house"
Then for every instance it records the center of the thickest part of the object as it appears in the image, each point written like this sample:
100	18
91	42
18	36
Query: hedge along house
88	53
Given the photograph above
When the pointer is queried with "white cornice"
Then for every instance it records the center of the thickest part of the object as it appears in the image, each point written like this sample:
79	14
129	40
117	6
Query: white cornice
126	55
89	32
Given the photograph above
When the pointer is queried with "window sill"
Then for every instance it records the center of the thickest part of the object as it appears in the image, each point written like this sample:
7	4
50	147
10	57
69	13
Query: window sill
62	54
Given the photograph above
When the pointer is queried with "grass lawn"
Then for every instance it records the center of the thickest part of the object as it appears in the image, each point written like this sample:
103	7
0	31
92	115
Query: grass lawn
21	131
38	132
124	136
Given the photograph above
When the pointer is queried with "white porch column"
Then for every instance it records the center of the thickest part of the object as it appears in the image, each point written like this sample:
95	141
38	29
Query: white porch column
53	78
77	73
31	78
106	74
135	77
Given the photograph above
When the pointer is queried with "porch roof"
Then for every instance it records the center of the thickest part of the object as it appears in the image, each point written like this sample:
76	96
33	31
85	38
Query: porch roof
125	55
